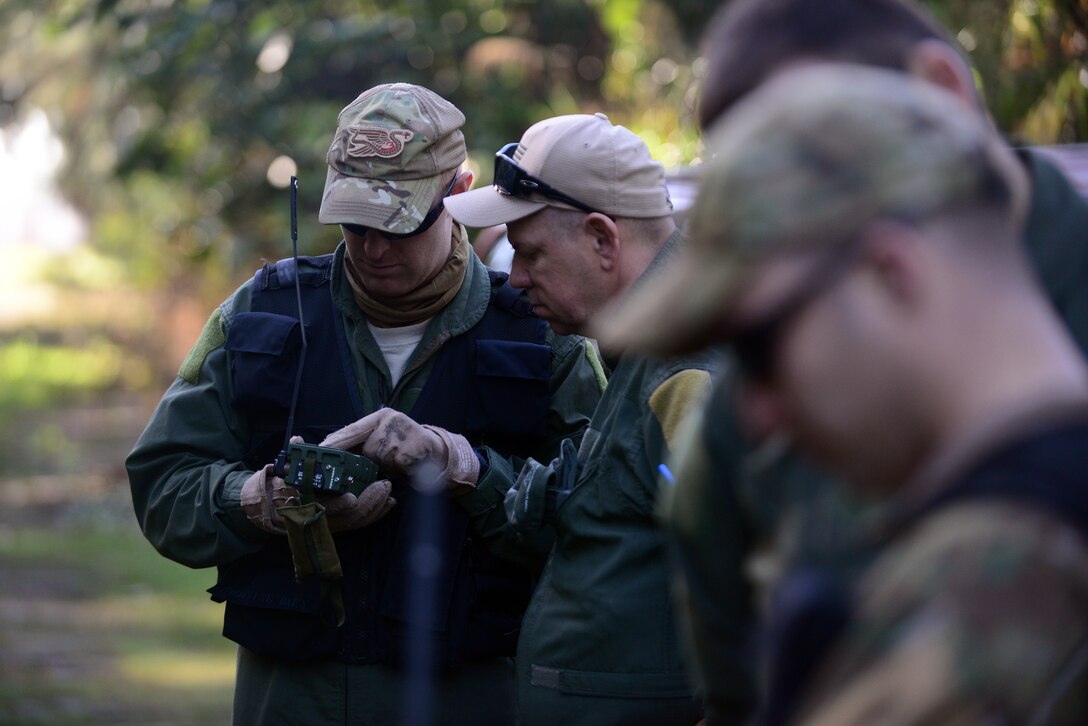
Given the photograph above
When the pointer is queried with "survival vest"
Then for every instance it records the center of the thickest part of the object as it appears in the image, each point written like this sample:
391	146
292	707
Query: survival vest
490	384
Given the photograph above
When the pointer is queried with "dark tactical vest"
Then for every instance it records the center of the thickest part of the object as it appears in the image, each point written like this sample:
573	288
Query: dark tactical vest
490	384
1047	471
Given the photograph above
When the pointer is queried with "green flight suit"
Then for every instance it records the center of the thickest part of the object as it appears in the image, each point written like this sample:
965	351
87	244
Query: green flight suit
186	474
739	517
599	643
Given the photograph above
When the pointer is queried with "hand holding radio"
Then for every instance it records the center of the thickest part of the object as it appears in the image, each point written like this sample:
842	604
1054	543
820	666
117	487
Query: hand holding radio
343	484
401	446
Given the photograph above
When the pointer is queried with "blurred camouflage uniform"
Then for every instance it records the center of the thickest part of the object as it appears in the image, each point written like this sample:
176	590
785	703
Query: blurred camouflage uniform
742	516
974	609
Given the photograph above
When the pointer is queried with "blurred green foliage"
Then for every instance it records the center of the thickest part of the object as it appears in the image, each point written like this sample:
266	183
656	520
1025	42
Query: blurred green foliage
173	112
34	374
182	119
76	333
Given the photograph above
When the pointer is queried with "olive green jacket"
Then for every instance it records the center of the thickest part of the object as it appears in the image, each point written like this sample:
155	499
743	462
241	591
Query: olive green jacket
599	643
740	517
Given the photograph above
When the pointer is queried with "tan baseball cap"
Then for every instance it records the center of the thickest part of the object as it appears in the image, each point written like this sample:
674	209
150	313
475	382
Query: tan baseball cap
387	159
808	160
599	164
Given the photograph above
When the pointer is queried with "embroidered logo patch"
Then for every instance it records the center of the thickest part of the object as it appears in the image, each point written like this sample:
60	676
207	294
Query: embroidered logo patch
366	141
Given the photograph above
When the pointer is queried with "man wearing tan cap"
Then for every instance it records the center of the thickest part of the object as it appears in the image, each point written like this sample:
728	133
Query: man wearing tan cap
857	243
383	604
589	217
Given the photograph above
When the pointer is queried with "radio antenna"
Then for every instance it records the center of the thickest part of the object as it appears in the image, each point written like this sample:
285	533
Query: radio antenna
281	460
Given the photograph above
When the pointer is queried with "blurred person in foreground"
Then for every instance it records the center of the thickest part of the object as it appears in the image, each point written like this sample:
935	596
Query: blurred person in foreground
402	317
744	511
589	216
857	242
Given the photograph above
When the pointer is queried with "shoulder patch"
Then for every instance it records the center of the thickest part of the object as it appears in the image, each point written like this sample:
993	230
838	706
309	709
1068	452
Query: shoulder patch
211	337
594	361
674	399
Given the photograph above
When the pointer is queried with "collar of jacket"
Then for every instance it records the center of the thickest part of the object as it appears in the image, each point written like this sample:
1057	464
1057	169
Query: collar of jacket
463	311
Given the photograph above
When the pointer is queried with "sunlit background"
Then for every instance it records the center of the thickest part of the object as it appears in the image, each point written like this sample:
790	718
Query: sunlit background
145	151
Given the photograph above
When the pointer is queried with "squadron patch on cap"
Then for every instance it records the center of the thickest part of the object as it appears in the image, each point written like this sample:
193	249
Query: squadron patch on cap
366	141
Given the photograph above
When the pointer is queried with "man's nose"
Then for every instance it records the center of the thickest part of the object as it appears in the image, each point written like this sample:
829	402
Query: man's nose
375	245
519	276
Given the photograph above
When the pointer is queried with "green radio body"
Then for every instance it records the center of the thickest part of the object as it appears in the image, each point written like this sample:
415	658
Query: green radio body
329	470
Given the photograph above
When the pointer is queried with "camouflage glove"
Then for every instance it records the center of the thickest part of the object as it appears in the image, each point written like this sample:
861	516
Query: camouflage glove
401	446
264	494
539	489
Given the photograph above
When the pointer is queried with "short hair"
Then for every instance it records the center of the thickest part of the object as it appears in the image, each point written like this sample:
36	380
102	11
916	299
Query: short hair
643	230
749	40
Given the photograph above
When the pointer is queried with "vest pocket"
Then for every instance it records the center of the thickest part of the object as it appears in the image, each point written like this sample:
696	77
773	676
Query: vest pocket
512	388
271	613
264	351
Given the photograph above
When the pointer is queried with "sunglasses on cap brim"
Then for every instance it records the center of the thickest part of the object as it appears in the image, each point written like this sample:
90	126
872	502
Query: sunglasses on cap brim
514	181
428	221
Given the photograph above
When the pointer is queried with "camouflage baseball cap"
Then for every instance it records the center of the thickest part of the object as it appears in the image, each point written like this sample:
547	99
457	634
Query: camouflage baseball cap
808	160
387	159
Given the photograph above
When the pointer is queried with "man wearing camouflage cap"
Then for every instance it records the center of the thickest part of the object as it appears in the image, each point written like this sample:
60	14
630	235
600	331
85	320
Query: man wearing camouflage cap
856	240
402	317
744	509
589	218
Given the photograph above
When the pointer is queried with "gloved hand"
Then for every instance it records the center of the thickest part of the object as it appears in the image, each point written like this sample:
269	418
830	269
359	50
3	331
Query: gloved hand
539	489
401	446
347	511
264	493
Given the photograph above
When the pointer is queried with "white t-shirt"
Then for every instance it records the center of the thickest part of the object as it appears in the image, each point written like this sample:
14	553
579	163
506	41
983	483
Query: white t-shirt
397	345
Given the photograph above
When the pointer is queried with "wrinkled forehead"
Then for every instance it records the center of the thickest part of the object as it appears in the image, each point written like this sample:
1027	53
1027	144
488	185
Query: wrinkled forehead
535	231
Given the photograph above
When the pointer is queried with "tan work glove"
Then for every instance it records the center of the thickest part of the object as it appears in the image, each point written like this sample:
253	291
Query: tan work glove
401	446
264	493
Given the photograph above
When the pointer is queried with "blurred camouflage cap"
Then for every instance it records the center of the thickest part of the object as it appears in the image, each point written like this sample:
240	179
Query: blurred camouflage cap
808	160
386	161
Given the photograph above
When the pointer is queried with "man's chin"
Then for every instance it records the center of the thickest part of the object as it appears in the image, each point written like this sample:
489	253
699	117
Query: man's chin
559	327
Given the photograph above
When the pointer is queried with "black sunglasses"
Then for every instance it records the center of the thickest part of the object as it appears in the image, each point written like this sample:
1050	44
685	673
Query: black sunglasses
432	216
755	345
513	180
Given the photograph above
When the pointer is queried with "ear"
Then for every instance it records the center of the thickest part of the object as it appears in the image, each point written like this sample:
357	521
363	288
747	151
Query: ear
939	63
892	251
463	183
606	238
